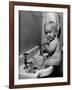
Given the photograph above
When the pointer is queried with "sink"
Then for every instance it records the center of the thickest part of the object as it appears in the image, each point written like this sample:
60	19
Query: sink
38	73
36	60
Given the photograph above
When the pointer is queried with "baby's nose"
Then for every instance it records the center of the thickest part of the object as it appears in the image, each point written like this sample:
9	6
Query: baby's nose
49	36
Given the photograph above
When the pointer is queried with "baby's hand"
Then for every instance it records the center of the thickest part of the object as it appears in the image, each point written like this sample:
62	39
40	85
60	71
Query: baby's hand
45	42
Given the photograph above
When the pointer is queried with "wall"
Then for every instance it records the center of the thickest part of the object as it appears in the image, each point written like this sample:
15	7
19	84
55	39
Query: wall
4	45
30	29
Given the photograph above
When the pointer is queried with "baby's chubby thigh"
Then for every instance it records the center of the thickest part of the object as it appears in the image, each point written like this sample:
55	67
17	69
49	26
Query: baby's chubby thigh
53	60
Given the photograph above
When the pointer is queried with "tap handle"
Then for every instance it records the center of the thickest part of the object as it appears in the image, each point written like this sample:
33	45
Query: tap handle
26	53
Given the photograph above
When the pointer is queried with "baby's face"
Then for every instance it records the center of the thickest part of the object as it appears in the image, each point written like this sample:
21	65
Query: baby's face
50	31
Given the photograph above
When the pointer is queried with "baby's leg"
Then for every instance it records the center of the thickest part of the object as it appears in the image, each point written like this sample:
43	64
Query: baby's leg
52	61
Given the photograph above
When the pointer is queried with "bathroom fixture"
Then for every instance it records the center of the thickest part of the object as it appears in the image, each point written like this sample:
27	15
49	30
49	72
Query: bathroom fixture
25	60
38	73
31	67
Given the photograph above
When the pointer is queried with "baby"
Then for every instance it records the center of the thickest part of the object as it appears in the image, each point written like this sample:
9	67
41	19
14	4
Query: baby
51	45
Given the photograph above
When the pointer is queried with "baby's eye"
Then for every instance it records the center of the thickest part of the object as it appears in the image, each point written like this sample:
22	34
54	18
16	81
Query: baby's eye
46	32
49	32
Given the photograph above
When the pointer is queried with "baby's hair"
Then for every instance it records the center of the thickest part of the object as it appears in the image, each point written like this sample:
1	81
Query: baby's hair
58	30
49	23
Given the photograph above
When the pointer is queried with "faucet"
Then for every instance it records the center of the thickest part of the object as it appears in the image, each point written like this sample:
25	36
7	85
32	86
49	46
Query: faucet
25	59
28	65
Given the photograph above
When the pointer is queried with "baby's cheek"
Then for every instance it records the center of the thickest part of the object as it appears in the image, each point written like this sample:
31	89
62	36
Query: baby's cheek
52	34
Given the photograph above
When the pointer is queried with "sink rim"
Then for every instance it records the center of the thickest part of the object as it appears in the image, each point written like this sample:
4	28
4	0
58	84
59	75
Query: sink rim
39	73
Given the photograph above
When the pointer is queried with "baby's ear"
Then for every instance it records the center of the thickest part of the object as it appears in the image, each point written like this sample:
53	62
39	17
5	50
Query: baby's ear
58	31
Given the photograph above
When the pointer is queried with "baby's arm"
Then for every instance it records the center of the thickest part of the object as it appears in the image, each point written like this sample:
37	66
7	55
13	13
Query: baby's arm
51	47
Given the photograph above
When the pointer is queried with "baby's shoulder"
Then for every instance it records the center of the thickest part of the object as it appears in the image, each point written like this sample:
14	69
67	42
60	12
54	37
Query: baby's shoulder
55	41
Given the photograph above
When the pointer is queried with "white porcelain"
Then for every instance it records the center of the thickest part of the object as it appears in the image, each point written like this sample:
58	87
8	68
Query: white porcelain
24	75
39	73
46	71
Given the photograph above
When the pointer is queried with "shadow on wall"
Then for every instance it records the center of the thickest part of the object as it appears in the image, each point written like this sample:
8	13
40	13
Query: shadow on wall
30	26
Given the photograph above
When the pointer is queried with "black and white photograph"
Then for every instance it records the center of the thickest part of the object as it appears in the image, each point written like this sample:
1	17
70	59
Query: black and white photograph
39	45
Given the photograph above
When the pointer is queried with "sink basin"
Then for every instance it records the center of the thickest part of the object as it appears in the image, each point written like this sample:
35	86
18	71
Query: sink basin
37	60
39	73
